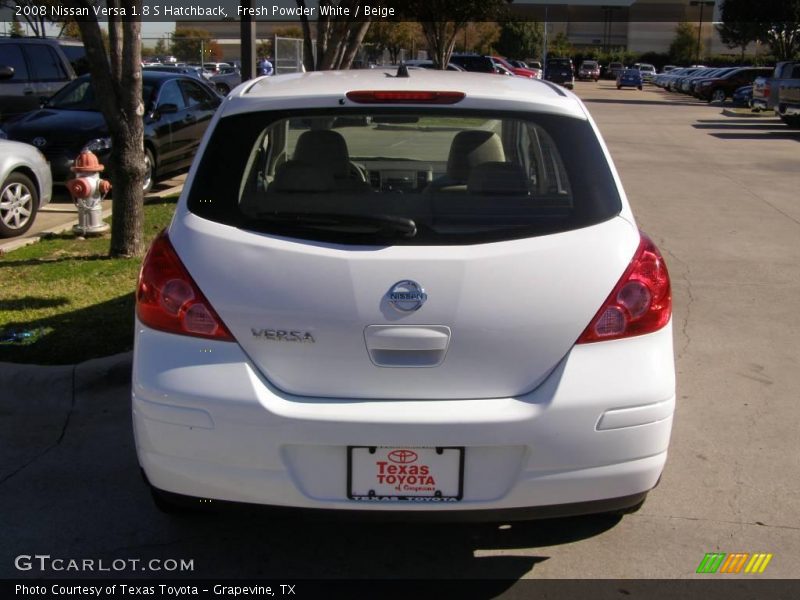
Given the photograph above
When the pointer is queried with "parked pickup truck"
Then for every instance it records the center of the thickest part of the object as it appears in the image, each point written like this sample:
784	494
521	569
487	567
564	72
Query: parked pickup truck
765	88
787	105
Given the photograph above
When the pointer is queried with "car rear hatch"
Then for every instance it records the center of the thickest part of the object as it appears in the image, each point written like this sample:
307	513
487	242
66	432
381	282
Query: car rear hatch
466	307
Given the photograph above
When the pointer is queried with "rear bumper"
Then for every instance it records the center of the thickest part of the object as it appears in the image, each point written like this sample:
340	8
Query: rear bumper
207	425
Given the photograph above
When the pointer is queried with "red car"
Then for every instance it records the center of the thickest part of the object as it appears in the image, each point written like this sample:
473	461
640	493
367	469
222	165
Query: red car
519	71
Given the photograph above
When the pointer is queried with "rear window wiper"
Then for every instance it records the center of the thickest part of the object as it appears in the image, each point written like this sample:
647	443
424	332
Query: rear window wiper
346	223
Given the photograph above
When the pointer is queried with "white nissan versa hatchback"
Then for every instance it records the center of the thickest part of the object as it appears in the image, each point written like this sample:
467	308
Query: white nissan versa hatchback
404	293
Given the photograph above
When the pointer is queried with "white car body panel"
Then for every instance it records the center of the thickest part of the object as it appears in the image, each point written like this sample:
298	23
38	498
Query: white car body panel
543	421
208	424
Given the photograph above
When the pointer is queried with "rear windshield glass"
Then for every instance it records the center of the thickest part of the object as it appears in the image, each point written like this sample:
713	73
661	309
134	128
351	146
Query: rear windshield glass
401	177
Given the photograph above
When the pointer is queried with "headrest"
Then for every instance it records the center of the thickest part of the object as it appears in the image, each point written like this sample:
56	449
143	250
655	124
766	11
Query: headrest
470	148
297	176
502	178
324	147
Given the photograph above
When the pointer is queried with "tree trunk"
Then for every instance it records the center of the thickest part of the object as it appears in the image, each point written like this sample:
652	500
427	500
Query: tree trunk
354	43
118	88
308	46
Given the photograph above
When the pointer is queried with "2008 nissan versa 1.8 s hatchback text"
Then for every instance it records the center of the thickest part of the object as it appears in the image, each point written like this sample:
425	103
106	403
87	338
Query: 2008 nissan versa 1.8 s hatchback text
422	293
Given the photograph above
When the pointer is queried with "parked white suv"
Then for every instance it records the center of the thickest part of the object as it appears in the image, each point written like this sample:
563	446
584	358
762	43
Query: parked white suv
388	293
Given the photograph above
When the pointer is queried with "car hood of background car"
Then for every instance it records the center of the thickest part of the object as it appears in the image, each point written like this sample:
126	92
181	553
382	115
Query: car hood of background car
53	123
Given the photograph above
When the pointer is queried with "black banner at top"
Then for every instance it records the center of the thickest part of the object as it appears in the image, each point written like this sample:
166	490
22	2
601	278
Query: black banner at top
288	11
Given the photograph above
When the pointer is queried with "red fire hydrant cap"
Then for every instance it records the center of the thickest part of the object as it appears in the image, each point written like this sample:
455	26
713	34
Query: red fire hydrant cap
87	162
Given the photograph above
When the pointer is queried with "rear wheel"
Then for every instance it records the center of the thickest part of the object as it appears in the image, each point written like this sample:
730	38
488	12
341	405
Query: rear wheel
19	203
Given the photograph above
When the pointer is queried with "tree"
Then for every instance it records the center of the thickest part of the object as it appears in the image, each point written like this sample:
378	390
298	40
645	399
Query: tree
393	36
338	38
117	80
16	28
443	20
683	48
773	22
481	36
735	33
520	39
190	44
559	45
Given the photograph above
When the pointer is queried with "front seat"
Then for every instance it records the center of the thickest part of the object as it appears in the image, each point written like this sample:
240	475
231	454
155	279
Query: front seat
327	151
469	148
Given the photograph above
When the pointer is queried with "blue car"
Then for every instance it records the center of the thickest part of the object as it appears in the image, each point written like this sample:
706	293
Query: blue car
743	96
629	78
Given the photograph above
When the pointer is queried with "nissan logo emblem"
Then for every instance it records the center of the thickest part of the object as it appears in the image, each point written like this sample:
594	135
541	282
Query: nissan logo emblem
39	142
402	457
407	296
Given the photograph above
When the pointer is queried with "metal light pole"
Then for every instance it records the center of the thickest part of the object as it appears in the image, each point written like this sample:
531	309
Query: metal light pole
702	4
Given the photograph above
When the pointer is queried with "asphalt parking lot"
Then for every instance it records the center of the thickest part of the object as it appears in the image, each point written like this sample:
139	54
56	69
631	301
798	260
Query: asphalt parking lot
718	194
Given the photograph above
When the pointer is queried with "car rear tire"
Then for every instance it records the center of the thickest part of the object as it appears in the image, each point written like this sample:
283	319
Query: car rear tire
619	87
639	88
718	96
19	203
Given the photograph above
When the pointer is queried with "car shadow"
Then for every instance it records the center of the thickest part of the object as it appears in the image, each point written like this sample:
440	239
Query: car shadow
93	464
769	135
742	126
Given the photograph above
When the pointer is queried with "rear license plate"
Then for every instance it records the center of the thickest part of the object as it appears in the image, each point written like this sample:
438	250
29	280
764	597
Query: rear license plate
382	473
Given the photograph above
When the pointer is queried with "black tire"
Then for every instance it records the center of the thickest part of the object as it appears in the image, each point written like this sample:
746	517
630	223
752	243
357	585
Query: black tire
150	172
640	88
19	203
619	87
718	96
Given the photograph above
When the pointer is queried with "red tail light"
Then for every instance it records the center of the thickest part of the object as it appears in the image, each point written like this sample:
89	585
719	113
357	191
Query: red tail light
169	300
404	97
640	303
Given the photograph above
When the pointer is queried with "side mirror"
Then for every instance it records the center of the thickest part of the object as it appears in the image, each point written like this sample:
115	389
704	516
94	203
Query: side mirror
6	72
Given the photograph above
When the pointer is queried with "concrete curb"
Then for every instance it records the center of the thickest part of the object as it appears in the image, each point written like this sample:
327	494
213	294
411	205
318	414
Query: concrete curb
18	243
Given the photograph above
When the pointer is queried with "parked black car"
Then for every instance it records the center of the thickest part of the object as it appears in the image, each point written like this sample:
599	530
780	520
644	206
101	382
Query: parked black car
31	70
178	108
561	71
718	89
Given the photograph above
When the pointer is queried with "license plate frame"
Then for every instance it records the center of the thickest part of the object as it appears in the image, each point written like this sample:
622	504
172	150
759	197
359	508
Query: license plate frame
454	493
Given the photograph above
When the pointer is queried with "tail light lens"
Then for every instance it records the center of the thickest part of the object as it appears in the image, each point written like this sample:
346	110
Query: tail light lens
169	300
640	303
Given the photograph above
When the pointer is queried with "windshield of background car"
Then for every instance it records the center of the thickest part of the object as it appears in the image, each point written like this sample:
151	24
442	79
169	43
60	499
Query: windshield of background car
79	95
403	176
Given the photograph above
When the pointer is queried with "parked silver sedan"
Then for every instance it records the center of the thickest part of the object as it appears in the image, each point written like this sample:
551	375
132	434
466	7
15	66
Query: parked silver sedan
25	186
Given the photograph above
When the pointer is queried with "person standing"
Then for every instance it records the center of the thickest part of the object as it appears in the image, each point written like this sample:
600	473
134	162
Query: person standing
264	67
